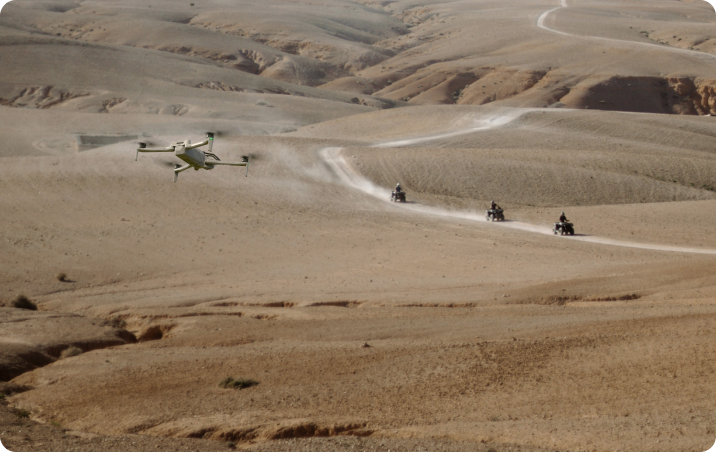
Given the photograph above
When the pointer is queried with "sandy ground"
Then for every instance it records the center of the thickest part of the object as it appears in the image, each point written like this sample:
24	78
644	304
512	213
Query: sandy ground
364	324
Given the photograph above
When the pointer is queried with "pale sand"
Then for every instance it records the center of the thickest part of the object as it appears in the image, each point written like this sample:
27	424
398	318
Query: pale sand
480	336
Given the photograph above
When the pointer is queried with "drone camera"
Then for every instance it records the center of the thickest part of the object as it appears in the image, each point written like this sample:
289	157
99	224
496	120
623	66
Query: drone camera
245	159
210	135
142	145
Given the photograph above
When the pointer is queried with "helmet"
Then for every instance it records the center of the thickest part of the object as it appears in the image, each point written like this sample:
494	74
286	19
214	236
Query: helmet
398	184
562	213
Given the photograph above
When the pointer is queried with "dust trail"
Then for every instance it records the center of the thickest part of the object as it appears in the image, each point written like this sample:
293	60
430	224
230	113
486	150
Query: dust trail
348	176
563	4
495	120
351	178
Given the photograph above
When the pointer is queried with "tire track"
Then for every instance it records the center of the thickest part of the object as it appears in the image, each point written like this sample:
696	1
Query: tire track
563	4
349	177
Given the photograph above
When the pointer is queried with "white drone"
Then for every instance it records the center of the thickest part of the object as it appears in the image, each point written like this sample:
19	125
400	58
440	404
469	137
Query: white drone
193	157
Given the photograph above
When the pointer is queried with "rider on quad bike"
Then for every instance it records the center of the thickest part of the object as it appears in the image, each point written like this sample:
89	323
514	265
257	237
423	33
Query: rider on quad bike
564	227
398	194
495	213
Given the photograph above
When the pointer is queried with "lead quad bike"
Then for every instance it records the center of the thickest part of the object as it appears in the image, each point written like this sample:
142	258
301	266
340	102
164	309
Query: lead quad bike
397	196
495	215
563	228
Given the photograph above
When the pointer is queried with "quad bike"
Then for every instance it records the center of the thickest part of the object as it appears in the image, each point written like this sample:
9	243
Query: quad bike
397	196
495	215
563	228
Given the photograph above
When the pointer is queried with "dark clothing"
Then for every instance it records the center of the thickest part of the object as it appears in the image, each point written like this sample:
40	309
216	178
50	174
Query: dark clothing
563	219
398	189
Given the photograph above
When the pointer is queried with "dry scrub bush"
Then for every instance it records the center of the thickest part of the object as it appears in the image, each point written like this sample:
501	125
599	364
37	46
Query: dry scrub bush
62	277
69	352
239	383
10	389
23	414
22	302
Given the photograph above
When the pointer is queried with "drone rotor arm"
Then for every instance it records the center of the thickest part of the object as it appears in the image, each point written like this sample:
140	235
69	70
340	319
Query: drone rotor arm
196	145
212	163
178	169
167	149
245	163
143	148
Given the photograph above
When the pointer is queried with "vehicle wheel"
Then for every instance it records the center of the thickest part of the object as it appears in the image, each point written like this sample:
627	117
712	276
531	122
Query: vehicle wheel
554	231
487	218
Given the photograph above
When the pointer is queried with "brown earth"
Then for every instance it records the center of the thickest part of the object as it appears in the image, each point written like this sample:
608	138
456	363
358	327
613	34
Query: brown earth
366	325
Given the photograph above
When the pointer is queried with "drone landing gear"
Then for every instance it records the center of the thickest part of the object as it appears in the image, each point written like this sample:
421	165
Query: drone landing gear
178	169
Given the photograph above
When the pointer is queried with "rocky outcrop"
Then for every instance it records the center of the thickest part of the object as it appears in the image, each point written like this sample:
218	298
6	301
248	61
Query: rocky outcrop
670	95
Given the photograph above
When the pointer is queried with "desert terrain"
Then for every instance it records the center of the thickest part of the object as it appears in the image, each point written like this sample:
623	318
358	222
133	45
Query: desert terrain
294	307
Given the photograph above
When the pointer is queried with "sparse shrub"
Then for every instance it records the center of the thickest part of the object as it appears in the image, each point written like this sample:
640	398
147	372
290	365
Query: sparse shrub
71	351
22	302
239	383
10	389
62	277
22	414
56	424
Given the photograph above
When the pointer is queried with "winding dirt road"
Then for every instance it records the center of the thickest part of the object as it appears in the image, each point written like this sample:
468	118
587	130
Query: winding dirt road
349	177
563	4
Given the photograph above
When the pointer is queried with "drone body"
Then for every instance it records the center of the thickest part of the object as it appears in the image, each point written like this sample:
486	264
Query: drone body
192	156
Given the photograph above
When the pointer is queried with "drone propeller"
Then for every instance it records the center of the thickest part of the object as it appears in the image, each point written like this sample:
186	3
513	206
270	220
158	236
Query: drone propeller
254	156
148	142
218	128
221	133
163	162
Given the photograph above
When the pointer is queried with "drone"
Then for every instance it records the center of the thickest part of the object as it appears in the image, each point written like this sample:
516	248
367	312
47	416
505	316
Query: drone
193	157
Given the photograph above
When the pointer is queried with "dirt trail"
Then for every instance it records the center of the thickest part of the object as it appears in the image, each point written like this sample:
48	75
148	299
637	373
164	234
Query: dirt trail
563	4
350	177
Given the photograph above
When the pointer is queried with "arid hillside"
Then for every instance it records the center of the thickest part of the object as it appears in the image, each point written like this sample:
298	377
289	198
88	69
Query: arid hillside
291	305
